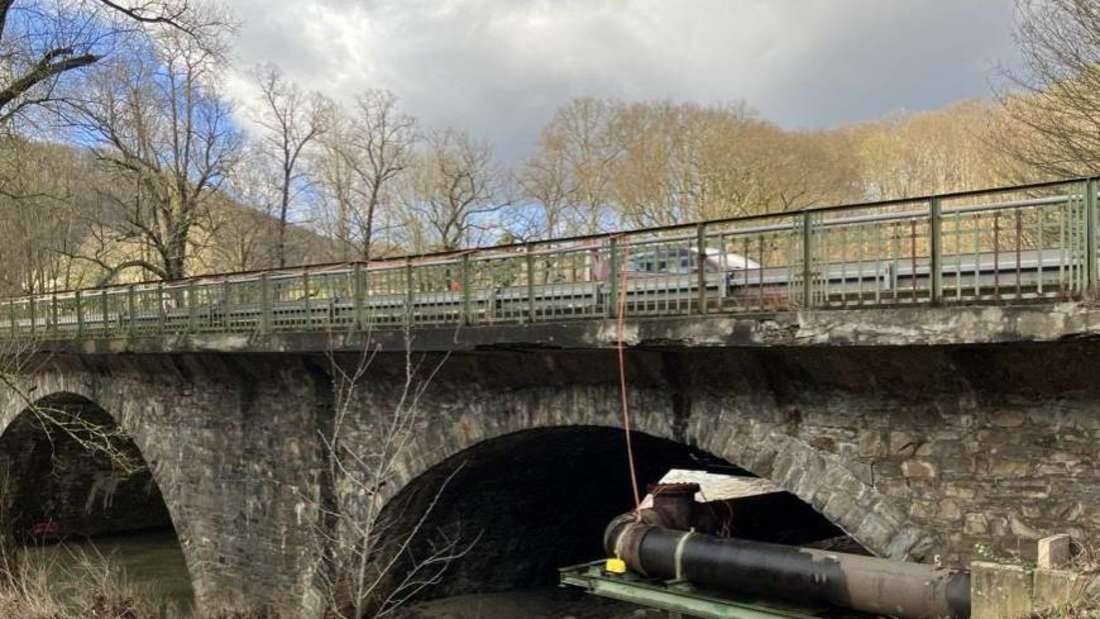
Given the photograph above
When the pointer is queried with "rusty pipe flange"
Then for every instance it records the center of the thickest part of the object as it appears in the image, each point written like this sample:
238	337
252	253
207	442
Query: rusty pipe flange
675	504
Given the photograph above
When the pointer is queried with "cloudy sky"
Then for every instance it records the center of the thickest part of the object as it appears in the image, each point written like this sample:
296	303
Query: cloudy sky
500	68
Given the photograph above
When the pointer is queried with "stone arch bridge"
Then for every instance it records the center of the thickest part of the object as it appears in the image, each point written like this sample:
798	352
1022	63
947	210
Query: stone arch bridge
919	432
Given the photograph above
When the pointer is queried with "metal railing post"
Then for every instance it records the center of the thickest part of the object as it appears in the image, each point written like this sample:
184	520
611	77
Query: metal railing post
33	312
191	305
935	265
53	327
464	282
162	314
807	261
530	284
104	307
357	296
408	291
265	303
701	264
79	316
613	277
309	308
226	304
130	307
1090	237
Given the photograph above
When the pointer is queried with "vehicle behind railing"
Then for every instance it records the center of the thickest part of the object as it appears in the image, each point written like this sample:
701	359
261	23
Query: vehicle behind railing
1010	245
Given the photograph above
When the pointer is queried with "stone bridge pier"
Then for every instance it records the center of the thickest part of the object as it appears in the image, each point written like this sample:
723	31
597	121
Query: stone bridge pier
916	441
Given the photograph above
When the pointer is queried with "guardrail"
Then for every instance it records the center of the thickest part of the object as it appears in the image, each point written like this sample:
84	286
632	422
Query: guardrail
1006	245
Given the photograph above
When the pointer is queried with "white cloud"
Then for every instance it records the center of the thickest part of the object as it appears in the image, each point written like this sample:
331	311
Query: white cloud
501	67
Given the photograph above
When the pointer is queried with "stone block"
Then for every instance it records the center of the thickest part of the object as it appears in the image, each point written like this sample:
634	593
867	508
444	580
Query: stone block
1000	591
1008	418
1056	588
976	524
918	469
1055	552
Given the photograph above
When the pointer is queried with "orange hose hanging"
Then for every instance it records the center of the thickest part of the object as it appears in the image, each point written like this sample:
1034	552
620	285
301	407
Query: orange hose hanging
623	394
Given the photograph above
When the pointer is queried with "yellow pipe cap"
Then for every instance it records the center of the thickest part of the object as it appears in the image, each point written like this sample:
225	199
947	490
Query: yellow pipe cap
615	566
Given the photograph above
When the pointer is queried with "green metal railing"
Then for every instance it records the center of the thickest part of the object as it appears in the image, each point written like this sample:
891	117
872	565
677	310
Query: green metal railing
1006	245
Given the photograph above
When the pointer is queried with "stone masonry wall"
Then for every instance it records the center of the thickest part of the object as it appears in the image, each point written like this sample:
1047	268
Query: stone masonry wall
232	447
915	451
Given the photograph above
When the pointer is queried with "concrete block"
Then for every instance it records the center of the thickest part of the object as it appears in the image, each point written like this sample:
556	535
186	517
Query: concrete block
1055	552
1056	588
1000	591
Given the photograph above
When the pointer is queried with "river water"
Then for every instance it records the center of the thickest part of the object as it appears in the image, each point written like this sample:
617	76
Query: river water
151	562
154	562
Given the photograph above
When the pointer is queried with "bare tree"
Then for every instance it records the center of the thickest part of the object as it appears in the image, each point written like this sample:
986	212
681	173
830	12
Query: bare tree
335	180
242	235
38	203
1053	103
453	191
291	120
587	131
378	149
545	179
157	122
41	41
364	563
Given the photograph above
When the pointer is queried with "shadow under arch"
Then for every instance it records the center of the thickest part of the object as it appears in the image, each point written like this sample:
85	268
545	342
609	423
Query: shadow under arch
539	499
65	491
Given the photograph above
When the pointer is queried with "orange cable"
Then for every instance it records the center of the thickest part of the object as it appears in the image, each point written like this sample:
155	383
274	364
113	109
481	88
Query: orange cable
621	302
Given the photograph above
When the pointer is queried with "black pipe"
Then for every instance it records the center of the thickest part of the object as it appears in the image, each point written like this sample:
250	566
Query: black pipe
815	577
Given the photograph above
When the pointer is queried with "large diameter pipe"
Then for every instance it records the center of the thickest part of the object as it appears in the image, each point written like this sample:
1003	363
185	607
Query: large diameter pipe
815	577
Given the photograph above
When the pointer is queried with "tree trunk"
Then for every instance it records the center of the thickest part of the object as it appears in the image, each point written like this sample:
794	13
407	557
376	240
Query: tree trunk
175	263
369	227
283	208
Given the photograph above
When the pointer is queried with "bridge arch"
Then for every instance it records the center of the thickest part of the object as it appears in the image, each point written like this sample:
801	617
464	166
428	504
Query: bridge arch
750	442
68	492
584	422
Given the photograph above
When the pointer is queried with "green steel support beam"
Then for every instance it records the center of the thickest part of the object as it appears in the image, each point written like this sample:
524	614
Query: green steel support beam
305	286
79	317
409	292
1090	237
130	307
227	306
935	220
807	261
357	297
701	265
464	273
530	284
613	278
191	306
672	597
265	303
162	315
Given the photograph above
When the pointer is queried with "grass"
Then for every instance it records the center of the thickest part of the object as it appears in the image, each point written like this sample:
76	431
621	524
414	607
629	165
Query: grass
85	584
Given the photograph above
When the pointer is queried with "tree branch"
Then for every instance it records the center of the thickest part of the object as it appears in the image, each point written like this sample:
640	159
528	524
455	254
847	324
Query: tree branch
44	70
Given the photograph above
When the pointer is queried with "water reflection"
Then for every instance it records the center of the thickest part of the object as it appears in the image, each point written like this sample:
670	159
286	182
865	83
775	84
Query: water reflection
152	561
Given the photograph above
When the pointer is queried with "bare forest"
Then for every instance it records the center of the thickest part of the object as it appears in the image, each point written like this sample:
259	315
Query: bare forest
122	158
